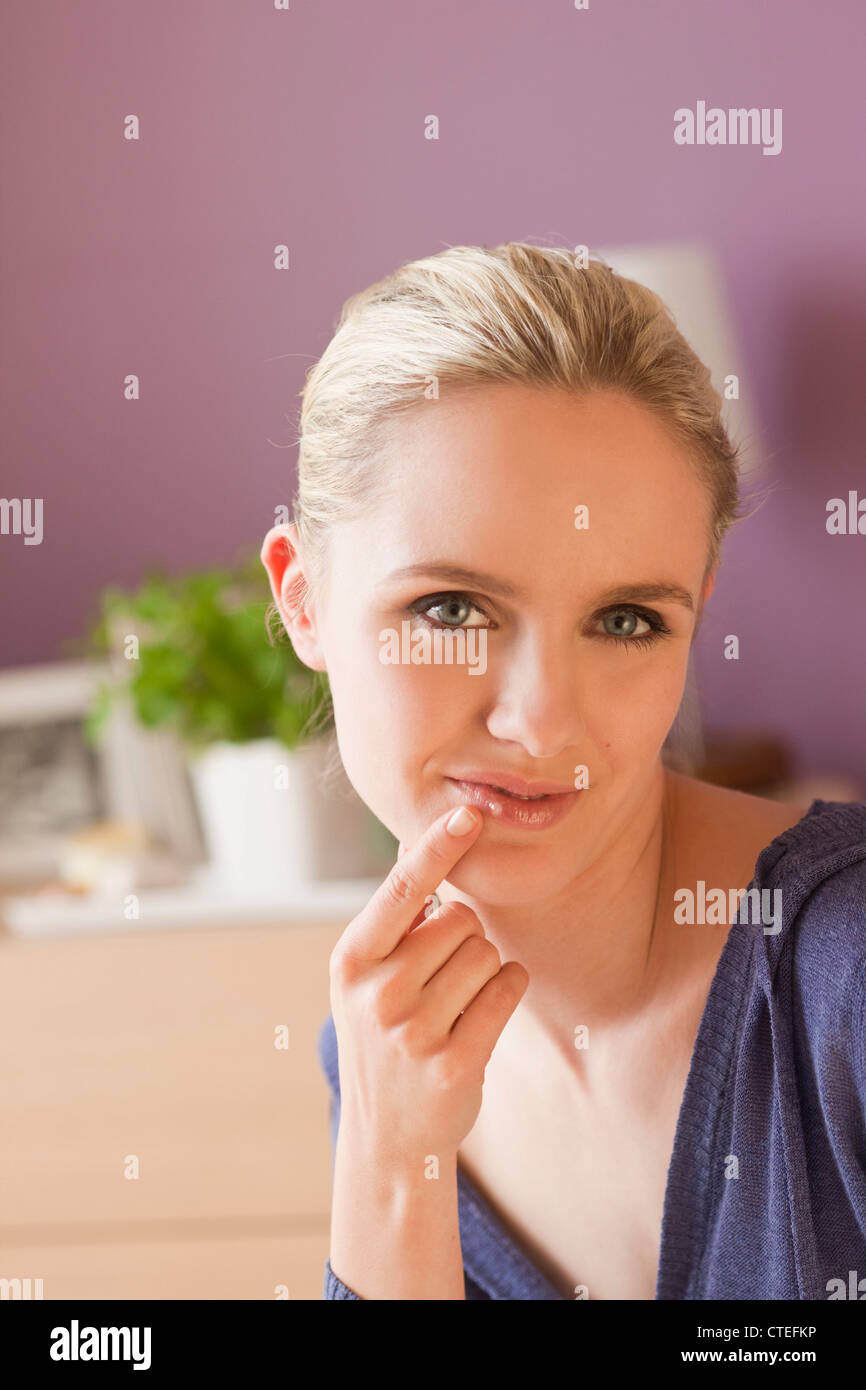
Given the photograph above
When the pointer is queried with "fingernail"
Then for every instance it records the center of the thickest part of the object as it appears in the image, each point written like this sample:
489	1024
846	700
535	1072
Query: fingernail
461	822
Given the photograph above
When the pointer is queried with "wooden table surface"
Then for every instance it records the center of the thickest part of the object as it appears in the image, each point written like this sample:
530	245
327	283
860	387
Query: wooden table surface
157	1049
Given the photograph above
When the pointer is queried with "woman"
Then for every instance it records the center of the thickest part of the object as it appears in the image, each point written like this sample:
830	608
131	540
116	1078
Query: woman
504	444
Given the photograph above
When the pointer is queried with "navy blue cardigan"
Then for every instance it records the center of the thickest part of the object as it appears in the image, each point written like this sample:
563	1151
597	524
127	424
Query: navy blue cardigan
777	1078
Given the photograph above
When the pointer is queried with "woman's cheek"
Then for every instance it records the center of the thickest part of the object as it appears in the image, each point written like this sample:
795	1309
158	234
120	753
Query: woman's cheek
390	720
635	710
420	697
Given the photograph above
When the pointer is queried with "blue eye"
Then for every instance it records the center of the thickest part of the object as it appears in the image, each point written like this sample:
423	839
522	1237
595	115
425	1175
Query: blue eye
453	608
626	634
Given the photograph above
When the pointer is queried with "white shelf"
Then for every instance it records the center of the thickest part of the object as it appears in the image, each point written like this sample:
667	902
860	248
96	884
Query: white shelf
201	902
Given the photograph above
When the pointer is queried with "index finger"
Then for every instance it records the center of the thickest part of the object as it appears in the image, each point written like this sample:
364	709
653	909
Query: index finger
382	924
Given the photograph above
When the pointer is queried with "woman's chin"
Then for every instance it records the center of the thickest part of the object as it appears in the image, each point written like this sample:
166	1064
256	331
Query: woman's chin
499	876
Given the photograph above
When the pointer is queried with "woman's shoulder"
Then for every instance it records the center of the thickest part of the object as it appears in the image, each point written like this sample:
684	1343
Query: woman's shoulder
721	832
818	866
813	857
814	840
731	818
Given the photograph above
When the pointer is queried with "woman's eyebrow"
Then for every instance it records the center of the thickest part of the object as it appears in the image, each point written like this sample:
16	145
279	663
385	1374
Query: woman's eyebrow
619	593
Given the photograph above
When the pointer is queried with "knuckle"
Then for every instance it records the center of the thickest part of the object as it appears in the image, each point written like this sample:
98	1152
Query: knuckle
481	951
519	976
506	985
387	1002
412	1036
339	966
461	916
447	1070
400	887
499	985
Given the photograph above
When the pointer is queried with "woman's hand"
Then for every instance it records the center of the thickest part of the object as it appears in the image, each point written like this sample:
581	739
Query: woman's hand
418	1005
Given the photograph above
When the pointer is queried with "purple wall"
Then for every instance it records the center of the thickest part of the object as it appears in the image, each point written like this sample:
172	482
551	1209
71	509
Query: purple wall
306	127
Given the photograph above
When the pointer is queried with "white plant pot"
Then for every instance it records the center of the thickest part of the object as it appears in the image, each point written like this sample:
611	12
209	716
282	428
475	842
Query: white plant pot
272	825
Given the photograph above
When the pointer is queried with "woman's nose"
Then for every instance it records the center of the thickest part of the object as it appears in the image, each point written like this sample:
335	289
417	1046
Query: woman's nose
537	699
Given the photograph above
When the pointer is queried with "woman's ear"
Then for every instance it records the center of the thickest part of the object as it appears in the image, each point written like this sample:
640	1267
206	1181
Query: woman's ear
281	558
706	589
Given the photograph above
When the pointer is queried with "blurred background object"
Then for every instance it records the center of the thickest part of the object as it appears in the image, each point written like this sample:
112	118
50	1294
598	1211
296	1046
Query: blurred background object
762	765
689	279
185	750
197	655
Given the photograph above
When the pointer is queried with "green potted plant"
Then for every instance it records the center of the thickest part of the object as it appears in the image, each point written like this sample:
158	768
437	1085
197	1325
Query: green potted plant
204	655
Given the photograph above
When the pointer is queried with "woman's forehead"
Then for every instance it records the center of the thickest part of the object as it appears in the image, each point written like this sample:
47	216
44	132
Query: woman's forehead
509	440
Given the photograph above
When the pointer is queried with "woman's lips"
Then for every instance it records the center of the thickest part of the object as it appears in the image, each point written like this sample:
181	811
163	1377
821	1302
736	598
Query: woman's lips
537	814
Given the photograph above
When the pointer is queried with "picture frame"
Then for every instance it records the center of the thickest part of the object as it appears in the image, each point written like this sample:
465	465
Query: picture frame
54	781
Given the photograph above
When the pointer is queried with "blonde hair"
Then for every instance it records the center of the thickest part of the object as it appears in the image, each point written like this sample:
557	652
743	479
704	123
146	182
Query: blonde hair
471	316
